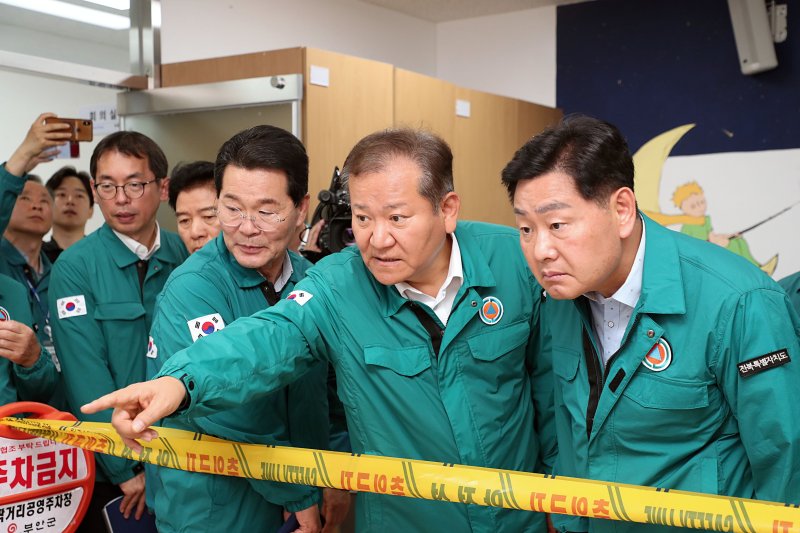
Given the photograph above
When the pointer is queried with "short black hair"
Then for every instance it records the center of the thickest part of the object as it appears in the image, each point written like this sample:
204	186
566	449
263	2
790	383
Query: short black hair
132	144
270	148
591	151
63	173
187	176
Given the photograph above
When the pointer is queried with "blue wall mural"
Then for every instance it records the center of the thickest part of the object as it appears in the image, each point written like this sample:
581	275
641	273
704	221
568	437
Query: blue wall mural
666	72
648	66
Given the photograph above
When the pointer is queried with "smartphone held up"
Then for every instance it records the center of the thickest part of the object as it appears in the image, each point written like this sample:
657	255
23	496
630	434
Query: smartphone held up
81	130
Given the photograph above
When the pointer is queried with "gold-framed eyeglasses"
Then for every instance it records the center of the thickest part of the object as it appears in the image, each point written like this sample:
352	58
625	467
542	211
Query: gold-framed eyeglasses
233	217
132	189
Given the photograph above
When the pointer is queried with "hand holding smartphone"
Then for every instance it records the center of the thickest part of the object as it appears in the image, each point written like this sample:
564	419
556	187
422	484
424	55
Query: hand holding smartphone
81	129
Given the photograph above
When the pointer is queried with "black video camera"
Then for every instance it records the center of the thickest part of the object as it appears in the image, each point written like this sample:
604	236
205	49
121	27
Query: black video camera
334	209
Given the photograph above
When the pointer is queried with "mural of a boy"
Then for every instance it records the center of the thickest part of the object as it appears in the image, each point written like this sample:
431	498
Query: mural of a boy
691	200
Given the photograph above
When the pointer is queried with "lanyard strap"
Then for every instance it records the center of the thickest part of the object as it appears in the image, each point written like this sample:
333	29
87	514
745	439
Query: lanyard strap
434	331
269	292
32	288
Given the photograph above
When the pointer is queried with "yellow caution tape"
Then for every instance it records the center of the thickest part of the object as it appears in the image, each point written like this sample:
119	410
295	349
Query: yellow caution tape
196	452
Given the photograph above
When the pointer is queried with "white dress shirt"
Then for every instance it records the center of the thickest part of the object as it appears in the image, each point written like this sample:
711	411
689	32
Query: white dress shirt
611	316
139	249
442	304
285	274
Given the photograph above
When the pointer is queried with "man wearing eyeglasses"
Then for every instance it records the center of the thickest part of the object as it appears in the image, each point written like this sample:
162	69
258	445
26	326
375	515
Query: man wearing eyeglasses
431	324
261	180
103	291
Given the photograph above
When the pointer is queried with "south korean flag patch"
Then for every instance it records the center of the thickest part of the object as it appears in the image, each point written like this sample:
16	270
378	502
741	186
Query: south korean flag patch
300	297
152	349
71	306
205	325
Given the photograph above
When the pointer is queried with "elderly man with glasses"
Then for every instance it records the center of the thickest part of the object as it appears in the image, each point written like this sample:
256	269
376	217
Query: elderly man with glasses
261	180
103	292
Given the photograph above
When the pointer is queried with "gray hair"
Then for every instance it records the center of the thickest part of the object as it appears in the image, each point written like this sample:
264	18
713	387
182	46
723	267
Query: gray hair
429	151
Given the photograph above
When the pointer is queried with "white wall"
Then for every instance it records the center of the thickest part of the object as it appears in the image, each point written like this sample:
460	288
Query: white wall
25	97
512	54
736	200
199	29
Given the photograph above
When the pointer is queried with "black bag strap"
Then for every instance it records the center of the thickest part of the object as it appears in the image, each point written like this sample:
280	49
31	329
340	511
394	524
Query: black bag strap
269	292
141	271
434	330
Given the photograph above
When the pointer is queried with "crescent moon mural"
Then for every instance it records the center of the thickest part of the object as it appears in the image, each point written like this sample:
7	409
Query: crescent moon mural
648	164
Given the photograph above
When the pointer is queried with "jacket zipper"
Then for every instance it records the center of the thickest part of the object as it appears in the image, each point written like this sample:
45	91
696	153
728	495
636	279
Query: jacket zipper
597	378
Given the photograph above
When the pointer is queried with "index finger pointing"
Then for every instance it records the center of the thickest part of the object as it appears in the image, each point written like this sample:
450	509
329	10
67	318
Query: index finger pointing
109	401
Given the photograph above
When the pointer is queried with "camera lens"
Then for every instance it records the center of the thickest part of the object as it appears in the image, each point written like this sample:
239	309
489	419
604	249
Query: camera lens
348	239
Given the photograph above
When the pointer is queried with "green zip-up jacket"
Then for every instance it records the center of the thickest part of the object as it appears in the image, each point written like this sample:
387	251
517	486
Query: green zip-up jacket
101	321
699	395
204	295
13	264
17	383
791	284
473	404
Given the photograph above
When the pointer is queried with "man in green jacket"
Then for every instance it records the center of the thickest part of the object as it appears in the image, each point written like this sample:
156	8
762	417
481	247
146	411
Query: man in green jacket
192	196
673	358
791	284
261	187
103	292
431	326
25	217
27	372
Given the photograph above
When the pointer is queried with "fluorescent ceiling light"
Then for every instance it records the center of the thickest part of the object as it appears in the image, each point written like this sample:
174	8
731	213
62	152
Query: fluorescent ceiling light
121	5
73	12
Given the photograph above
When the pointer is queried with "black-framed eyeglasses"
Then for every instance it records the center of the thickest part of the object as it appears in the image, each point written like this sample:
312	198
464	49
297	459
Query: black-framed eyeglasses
233	217
132	189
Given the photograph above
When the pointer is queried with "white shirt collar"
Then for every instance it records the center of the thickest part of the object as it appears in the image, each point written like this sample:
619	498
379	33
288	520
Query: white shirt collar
455	270
139	249
442	304
285	274
631	290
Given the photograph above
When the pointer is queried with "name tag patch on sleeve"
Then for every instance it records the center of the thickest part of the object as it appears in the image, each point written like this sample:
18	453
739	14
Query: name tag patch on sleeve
71	306
205	325
301	297
764	362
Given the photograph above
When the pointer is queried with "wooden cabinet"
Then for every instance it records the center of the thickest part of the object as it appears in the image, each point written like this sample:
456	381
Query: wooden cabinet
357	101
362	96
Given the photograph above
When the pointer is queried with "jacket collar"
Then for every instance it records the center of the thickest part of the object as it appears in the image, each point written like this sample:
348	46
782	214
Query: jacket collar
476	273
124	257
247	278
15	258
662	283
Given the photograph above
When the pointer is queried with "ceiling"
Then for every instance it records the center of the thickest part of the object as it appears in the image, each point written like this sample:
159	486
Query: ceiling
447	10
49	24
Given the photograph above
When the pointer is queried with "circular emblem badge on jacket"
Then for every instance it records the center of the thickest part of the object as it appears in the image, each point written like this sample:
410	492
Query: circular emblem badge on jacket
659	357
4	314
491	310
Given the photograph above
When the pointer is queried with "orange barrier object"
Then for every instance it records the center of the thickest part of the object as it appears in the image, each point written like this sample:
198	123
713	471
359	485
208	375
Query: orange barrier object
44	485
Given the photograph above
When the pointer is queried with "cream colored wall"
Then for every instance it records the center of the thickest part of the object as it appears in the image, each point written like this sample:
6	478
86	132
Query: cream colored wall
24	97
199	29
513	54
